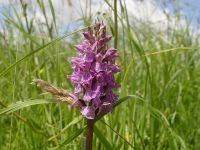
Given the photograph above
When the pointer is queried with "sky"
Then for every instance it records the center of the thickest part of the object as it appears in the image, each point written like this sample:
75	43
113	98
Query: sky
190	9
69	12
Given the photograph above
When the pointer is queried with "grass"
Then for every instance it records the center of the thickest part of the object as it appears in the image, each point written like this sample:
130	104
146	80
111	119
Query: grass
159	71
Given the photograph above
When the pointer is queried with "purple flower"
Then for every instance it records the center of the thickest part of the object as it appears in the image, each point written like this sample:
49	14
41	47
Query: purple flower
93	72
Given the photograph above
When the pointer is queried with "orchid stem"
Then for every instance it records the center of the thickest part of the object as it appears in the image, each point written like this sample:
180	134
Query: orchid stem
89	133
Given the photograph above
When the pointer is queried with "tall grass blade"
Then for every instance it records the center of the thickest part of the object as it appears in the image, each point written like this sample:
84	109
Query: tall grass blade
37	50
23	104
102	138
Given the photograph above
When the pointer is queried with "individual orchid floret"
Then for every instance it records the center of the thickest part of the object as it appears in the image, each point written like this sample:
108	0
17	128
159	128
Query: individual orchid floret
93	72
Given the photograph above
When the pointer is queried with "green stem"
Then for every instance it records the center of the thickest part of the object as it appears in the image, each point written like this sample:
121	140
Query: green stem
116	25
89	134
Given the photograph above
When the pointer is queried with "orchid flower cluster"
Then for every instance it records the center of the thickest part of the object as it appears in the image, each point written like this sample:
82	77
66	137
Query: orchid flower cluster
93	72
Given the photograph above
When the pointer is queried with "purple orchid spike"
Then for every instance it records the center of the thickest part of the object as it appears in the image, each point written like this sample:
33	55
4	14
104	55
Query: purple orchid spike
93	72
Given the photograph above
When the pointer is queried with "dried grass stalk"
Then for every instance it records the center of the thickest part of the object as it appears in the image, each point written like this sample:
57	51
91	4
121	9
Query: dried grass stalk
59	93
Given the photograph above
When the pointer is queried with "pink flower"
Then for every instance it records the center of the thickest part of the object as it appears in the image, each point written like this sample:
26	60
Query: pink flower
93	72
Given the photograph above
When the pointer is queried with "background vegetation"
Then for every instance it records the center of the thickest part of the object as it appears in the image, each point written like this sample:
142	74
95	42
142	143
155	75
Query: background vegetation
159	72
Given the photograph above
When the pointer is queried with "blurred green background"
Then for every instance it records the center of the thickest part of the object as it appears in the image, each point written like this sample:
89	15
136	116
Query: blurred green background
158	46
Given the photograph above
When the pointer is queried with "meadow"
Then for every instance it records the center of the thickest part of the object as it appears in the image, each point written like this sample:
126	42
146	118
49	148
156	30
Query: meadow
159	95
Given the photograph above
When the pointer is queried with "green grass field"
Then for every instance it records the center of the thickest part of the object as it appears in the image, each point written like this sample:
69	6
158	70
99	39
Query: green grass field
160	72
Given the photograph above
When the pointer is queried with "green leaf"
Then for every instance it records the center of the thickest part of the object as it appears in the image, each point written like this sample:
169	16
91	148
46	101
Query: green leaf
121	100
102	138
52	12
22	104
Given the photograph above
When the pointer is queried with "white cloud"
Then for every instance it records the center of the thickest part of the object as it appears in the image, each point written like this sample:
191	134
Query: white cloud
148	11
67	11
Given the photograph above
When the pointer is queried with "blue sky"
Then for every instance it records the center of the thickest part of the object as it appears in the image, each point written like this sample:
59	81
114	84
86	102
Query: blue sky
190	9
